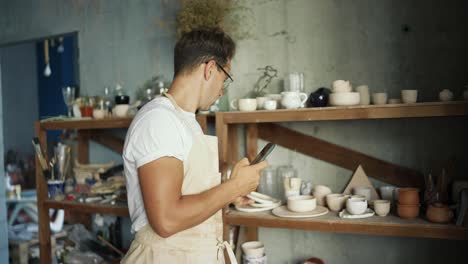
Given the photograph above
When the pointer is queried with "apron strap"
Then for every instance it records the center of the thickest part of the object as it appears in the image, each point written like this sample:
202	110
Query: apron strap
225	245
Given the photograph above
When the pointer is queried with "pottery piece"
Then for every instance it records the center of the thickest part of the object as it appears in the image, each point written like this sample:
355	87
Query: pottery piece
360	178
253	249
270	104
382	207
408	196
379	98
439	213
319	98
409	96
320	192
386	192
261	102
364	191
302	203
363	91
356	206
344	99
283	211
340	86
407	211
336	201
254	260
293	100
244	104
347	215
445	95
99	113
121	110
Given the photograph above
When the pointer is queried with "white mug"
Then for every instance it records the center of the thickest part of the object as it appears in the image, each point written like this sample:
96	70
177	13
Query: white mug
409	96
293	100
270	104
379	98
363	91
261	102
245	104
121	110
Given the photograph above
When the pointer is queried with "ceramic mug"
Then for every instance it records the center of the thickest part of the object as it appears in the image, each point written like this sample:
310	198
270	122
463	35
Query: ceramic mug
245	104
386	192
356	206
363	91
121	110
293	100
382	207
261	102
365	191
379	98
253	249
409	96
270	104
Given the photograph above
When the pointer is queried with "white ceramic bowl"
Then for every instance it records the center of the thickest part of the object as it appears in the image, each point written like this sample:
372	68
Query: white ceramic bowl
341	99
409	96
336	201
364	191
340	86
320	192
382	207
253	249
302	203
356	206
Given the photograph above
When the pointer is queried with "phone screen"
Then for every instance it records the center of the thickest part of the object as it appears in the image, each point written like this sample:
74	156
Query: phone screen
264	153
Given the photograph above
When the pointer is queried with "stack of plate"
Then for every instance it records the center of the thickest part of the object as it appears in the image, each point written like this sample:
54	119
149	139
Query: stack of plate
262	203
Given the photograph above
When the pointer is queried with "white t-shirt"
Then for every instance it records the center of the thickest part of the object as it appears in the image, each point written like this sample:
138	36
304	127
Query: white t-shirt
158	130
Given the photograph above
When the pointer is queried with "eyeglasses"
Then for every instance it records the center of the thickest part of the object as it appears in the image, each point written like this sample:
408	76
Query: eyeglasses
228	80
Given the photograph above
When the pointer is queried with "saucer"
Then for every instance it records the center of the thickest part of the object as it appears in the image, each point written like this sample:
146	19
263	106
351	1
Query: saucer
284	212
262	198
345	214
249	209
262	205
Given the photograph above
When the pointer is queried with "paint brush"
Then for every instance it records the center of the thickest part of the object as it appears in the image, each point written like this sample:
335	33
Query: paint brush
40	157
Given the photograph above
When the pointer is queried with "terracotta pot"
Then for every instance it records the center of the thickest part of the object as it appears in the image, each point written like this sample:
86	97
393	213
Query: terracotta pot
408	211
408	196
439	213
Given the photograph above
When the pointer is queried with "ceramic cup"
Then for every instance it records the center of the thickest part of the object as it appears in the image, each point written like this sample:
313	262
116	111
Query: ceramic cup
382	207
254	260
245	104
270	104
409	96
379	98
386	192
365	191
121	110
336	201
99	113
408	196
261	102
293	100
356	206
363	91
301	203
253	249
320	192
445	95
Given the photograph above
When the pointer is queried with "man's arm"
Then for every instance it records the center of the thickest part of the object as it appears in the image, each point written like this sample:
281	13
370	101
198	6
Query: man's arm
169	212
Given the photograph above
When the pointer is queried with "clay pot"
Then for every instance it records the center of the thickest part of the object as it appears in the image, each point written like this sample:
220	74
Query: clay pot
408	196
439	213
408	211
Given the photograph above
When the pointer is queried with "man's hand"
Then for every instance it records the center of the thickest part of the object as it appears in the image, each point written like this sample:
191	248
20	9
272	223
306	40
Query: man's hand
246	176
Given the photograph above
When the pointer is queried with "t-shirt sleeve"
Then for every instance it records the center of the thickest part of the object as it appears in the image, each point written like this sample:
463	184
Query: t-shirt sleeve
158	134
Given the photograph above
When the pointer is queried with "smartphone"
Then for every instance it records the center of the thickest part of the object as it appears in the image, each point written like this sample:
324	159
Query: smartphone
264	153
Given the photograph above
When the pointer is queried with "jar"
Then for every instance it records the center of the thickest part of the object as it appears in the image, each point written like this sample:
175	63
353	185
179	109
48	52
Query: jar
268	183
288	181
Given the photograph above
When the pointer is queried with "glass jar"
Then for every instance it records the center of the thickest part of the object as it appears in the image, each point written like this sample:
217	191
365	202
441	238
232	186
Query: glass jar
268	183
289	183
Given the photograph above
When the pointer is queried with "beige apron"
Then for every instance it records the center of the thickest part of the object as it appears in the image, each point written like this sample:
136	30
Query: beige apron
202	243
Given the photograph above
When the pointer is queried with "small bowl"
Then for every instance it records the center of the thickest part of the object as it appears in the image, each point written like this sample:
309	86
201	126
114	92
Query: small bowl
342	99
253	249
336	201
409	96
408	196
364	191
356	206
407	211
320	192
382	207
302	203
122	99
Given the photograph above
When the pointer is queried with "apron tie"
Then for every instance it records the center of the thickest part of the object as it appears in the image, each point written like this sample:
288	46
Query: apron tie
225	245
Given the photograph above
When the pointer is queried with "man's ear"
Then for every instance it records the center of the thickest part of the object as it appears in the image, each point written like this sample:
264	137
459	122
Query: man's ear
209	69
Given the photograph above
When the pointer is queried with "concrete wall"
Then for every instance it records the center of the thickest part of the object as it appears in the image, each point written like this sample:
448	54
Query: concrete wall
20	103
360	40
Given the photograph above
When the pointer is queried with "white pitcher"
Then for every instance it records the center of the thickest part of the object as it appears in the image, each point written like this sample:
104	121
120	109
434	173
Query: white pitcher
293	100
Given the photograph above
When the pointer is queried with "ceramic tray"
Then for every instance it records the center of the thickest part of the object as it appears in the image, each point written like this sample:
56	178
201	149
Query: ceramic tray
368	213
284	212
249	209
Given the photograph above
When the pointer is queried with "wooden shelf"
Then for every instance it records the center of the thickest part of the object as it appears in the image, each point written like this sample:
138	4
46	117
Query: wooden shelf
119	209
386	226
432	109
86	123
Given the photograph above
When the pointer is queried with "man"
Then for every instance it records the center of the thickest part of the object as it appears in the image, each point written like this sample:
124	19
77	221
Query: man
174	192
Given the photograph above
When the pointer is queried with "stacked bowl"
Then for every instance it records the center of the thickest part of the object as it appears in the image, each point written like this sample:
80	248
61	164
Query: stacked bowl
408	203
342	94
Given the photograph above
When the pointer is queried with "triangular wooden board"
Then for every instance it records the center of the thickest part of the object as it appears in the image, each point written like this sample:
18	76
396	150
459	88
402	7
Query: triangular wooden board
360	179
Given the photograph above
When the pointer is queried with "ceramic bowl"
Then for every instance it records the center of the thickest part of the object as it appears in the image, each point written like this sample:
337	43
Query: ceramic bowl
302	203
340	86
342	99
336	201
379	98
408	196
439	213
356	206
364	191
320	192
407	211
382	207
409	96
253	249
386	192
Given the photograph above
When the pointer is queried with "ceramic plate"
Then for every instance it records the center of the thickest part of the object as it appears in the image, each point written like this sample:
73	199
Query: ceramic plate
260	205
250	209
284	212
262	198
345	214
